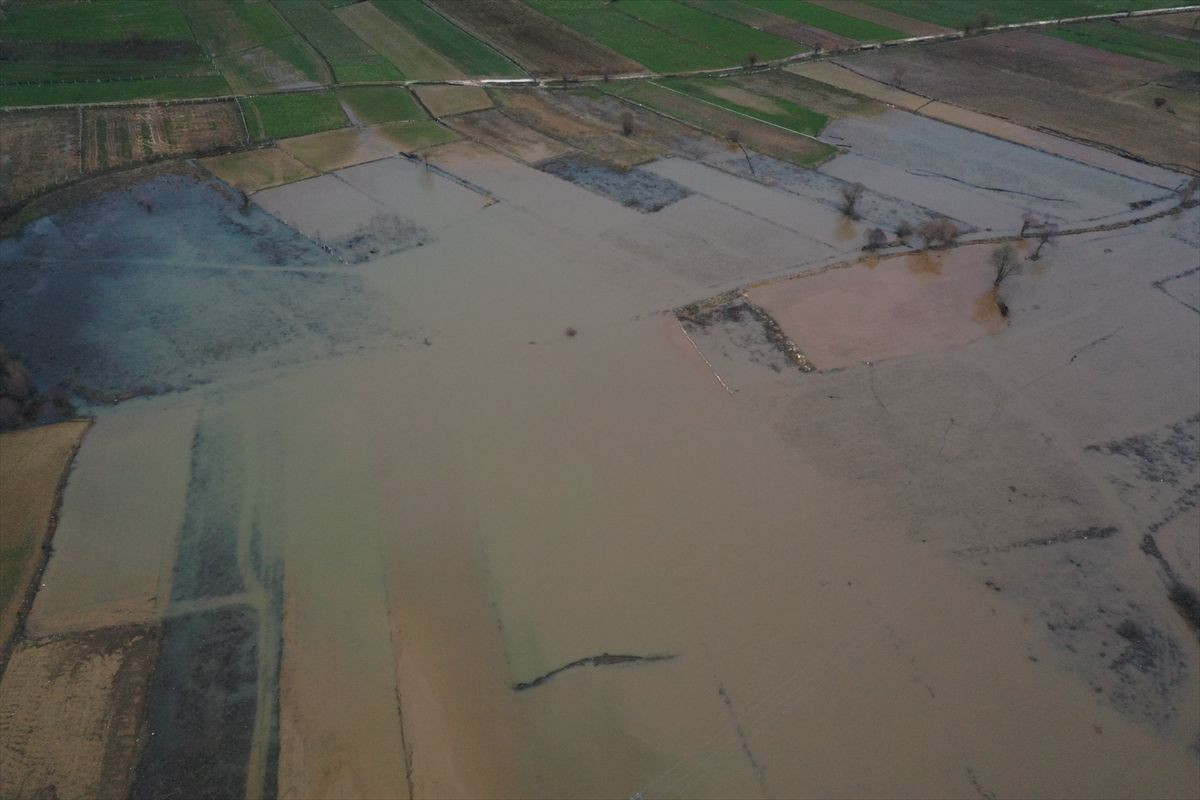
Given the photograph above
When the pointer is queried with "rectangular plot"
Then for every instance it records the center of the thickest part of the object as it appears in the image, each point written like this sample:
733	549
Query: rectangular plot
493	128
41	149
342	148
277	116
257	169
411	137
396	44
443	101
371	105
637	189
465	51
543	45
159	131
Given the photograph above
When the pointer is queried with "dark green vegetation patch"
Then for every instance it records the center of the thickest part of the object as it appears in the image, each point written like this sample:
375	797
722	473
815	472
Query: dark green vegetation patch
376	104
1119	38
278	116
465	51
959	13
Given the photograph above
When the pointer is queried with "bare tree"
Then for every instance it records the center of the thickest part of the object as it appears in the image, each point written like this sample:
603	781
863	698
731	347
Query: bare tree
1044	235
938	231
751	59
851	194
904	229
1029	220
735	137
876	238
1005	262
1187	192
627	123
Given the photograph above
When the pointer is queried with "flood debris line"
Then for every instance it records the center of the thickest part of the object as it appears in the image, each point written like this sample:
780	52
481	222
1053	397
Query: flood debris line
704	358
1073	535
731	305
602	660
1183	597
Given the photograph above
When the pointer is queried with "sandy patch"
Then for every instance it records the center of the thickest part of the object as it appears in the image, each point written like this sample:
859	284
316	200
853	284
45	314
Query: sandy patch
33	464
442	101
71	711
341	148
912	304
257	169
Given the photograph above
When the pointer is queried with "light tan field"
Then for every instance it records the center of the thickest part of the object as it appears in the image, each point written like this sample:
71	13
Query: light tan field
508	136
33	468
72	710
252	170
341	148
443	101
411	137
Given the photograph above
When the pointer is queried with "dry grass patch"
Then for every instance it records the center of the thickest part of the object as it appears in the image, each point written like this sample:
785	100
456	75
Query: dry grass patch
123	136
396	44
538	110
33	466
257	169
508	136
444	101
342	148
410	137
39	149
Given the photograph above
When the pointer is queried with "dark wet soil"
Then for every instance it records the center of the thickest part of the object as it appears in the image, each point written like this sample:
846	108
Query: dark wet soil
635	188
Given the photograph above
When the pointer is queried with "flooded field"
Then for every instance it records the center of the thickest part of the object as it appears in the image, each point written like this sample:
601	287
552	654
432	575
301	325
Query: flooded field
418	487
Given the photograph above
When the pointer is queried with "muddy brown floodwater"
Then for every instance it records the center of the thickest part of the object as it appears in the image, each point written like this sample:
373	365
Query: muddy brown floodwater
403	536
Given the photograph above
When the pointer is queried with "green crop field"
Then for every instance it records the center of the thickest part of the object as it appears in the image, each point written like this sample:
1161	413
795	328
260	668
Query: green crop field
957	13
832	21
351	59
1132	42
466	52
112	91
376	104
666	36
767	109
629	36
278	116
52	41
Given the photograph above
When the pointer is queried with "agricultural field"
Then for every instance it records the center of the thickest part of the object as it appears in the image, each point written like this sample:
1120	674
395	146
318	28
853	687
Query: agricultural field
251	170
436	32
957	14
785	27
40	150
345	147
495	129
1043	82
277	116
371	105
765	108
667	37
820	98
253	46
121	136
605	143
411	137
819	16
447	100
409	55
534	40
349	57
1152	44
724	123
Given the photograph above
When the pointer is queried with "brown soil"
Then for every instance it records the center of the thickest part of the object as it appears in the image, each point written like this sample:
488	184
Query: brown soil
538	110
806	34
40	149
341	148
33	467
1043	82
71	709
809	93
443	101
835	75
533	40
396	44
512	138
117	137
